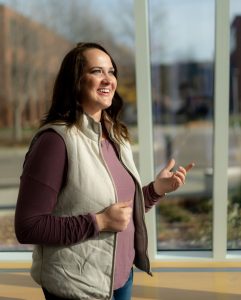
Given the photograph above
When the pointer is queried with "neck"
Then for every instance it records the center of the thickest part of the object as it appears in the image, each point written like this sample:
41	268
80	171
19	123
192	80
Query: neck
96	116
104	130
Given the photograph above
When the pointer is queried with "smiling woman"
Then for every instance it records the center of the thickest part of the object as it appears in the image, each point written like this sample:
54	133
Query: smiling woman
78	89
81	201
98	83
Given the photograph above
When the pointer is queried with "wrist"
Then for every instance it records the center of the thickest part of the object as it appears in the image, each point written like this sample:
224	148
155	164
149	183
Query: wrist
99	222
95	224
157	192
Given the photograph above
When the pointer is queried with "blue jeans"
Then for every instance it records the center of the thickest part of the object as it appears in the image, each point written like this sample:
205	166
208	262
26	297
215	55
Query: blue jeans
124	293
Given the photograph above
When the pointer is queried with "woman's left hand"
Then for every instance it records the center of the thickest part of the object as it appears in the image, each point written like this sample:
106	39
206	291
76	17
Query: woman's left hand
168	181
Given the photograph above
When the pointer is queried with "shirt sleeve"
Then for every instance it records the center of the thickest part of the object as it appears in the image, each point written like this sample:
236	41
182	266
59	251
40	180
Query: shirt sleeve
151	198
43	176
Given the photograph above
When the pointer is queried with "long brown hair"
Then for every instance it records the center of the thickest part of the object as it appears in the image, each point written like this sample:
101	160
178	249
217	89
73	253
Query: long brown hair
66	99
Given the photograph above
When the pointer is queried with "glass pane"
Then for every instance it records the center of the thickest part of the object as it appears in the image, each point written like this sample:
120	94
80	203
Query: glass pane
234	171
182	64
35	37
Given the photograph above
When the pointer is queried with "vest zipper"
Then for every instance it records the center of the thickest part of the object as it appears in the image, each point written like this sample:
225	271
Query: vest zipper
115	234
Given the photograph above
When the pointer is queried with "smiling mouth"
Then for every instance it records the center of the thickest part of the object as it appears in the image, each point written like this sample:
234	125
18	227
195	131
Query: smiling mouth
104	91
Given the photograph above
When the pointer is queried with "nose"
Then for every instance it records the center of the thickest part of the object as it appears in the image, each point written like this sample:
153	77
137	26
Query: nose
106	79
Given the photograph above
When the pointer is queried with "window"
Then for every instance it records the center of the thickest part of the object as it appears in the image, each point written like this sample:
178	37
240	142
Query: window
234	169
182	74
37	36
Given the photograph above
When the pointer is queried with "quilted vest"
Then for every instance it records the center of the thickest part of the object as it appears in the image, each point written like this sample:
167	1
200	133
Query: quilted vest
85	270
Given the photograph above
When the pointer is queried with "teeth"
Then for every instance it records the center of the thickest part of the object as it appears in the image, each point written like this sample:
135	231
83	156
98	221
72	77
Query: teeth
104	90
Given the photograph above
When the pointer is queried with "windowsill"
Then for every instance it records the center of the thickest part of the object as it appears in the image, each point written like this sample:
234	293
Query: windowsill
202	257
15	256
233	258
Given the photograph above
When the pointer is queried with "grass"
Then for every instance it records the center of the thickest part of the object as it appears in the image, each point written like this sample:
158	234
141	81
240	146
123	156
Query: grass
186	223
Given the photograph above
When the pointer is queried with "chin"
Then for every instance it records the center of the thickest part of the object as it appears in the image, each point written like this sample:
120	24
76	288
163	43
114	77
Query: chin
106	105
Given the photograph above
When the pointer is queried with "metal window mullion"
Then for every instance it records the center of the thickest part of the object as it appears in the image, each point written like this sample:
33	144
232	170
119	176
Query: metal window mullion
221	132
144	109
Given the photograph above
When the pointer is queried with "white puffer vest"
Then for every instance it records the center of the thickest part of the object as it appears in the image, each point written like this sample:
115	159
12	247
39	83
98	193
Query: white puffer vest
85	270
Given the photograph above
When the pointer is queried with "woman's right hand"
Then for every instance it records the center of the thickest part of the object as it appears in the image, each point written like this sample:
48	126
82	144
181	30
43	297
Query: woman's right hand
115	218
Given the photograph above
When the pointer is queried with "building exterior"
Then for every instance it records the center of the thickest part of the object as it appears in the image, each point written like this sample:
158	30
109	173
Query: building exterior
182	92
30	56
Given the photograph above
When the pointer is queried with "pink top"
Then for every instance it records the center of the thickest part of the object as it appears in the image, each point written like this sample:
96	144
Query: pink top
44	173
125	189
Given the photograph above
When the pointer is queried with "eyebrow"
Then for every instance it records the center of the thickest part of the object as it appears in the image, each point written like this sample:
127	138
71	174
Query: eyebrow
97	67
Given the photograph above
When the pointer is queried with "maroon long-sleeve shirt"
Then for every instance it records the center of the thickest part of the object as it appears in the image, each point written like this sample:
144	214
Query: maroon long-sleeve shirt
44	174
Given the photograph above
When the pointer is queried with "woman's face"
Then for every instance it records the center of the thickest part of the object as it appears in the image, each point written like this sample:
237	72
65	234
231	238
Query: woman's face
98	83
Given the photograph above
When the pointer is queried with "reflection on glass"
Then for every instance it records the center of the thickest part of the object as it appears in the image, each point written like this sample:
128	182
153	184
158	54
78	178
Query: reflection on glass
182	49
34	41
234	171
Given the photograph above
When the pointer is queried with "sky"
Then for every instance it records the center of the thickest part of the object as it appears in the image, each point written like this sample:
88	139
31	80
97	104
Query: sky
182	29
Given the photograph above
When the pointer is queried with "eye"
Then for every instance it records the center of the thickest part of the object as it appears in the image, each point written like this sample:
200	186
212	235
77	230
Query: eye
112	72
96	71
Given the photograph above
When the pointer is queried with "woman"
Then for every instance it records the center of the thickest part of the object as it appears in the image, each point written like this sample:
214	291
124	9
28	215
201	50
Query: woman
80	199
